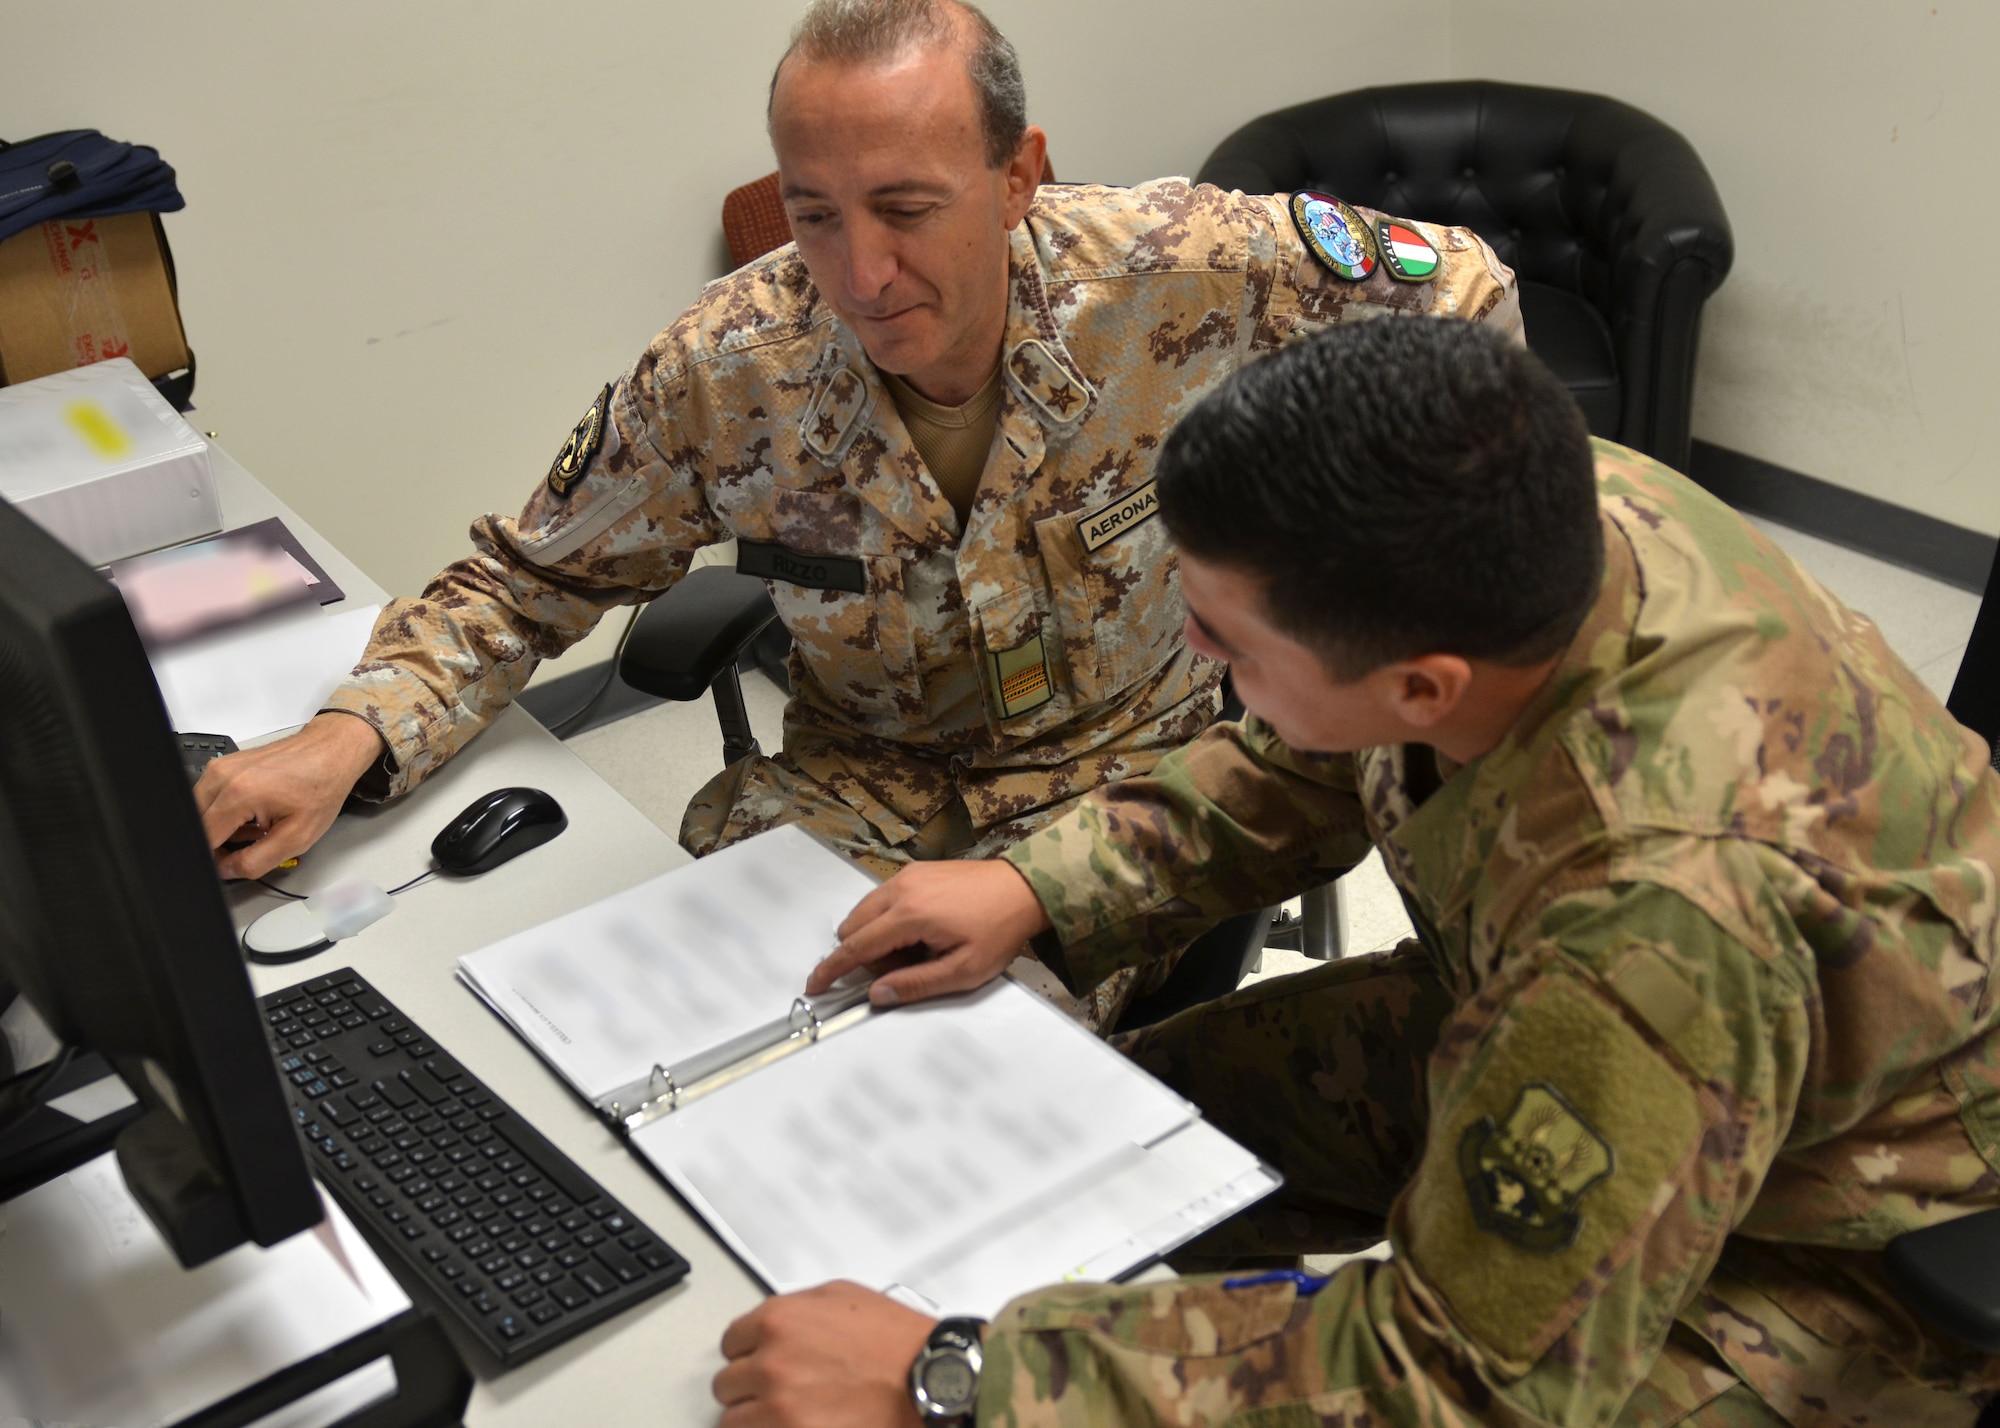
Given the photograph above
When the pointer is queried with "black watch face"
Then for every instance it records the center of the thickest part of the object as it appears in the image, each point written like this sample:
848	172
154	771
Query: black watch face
949	1382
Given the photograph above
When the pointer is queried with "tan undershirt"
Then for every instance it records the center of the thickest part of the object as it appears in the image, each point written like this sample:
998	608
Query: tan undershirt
953	441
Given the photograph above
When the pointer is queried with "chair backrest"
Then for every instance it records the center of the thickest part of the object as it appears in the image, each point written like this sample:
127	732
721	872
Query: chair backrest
753	218
1576	192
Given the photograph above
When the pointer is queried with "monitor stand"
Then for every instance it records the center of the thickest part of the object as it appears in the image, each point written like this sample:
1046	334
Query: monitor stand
81	1113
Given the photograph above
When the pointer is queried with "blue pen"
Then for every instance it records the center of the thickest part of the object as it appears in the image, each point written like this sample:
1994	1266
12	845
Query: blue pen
1307	1284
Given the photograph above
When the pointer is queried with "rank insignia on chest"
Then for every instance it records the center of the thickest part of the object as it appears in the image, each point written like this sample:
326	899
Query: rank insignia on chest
1103	526
574	459
1525	1175
1335	234
1406	253
1020	677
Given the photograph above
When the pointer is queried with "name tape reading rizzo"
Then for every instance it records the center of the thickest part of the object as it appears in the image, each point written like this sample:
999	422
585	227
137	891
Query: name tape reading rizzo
1106	525
767	560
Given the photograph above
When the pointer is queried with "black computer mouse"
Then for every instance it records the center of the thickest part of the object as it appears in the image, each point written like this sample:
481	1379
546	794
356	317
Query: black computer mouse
503	824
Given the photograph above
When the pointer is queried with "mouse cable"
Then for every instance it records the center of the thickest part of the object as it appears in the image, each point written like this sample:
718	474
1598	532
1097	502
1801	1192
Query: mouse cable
563	725
269	886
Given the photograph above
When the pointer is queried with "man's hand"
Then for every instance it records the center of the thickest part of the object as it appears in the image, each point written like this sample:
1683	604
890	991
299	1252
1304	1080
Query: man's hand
972	918
283	795
837	1356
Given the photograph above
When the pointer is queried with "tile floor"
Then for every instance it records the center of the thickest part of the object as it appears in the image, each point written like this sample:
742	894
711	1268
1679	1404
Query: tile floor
659	758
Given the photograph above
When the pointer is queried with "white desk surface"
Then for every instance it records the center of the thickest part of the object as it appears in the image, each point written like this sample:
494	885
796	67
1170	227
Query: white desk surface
651	1364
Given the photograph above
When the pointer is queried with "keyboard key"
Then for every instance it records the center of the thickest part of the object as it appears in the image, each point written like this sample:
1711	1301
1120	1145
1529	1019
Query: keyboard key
444	1068
620	1263
598	1281
569	1294
510	1325
544	1312
396	1093
527	1296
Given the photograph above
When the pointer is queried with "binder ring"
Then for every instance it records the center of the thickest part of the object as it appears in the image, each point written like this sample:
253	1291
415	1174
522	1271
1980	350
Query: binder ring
810	1025
664	1086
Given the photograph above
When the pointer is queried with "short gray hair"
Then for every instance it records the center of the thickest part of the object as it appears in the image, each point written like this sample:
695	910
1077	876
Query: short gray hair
857	31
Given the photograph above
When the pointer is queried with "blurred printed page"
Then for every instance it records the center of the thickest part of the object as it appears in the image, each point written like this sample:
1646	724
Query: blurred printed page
881	1153
255	681
210	585
675	967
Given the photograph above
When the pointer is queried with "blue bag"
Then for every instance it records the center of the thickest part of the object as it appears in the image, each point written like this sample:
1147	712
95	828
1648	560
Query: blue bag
80	174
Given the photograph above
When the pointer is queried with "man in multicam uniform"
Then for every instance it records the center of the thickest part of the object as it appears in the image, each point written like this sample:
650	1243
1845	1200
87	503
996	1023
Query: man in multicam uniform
973	647
1704	1012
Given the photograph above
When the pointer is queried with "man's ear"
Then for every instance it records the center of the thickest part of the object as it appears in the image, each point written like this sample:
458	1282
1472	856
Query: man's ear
1024	173
1424	691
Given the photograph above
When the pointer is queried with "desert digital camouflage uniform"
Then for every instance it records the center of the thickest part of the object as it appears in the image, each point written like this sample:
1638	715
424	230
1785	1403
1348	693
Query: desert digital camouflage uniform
1010	664
1703	1017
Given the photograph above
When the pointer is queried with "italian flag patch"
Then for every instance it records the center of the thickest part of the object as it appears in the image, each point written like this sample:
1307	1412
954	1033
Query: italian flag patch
1405	253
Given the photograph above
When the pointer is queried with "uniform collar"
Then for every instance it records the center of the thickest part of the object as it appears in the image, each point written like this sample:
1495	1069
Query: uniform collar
849	420
1448	841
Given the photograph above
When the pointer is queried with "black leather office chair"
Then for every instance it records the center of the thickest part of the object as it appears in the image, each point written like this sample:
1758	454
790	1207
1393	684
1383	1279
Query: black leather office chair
1950	1273
1606	215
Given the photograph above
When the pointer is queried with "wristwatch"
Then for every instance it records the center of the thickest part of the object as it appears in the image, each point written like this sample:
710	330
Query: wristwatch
944	1380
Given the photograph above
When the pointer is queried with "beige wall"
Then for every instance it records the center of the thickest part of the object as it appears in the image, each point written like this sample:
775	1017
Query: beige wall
1856	145
419	236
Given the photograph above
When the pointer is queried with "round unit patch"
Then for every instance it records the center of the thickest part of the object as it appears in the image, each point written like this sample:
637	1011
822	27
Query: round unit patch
1335	234
1406	253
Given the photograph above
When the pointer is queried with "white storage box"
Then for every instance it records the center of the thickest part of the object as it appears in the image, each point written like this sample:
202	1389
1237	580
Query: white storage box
97	458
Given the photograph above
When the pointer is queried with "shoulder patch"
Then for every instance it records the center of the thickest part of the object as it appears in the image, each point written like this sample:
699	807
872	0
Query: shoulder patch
1406	253
1525	1175
1561	1140
1334	234
574	458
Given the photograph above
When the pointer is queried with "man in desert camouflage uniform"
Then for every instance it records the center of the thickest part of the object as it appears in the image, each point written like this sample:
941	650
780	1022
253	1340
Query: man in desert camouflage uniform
1703	1013
972	648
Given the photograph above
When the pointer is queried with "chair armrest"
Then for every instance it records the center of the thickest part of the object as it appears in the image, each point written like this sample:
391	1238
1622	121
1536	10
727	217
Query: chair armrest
1949	1275
694	632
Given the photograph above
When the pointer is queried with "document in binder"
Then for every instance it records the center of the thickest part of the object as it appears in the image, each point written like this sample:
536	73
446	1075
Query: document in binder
953	1153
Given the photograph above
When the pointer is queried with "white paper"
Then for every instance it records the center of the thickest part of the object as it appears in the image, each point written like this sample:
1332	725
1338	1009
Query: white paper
100	1325
254	681
874	1154
661	972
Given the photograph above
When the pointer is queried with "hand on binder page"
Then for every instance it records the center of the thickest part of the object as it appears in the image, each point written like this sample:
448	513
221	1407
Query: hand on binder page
954	1153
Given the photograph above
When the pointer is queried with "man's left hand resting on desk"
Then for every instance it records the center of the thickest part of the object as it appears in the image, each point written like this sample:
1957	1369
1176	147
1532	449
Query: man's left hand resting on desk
283	796
971	917
837	1356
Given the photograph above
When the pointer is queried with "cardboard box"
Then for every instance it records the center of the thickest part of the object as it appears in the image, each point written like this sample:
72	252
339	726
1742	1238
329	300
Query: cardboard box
75	291
96	457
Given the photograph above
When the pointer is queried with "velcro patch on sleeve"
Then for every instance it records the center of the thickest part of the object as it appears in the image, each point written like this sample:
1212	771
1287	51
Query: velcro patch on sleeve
1541	1182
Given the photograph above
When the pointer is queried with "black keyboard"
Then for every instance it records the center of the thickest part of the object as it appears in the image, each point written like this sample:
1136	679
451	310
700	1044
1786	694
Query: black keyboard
481	1215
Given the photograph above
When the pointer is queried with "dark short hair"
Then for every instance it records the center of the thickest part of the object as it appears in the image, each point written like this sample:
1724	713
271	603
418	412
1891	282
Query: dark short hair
857	31
1399	487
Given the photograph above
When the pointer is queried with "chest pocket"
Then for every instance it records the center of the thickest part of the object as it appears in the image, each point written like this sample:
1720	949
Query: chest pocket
1020	665
1117	592
841	596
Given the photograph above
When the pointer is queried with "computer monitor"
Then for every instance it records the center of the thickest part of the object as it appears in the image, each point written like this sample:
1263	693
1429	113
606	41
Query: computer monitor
112	922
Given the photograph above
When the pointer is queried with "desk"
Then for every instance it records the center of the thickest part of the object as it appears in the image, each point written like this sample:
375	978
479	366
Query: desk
652	1364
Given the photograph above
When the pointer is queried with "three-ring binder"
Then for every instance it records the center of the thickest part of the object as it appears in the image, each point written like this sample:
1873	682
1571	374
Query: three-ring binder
666	1089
